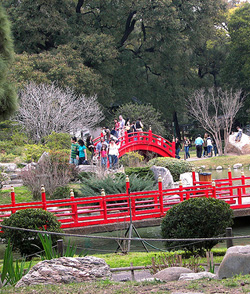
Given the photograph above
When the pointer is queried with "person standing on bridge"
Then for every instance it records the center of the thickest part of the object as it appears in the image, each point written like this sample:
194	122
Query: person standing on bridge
113	154
138	125
198	143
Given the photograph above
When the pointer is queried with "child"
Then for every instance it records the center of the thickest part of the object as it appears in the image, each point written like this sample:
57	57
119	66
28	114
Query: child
104	157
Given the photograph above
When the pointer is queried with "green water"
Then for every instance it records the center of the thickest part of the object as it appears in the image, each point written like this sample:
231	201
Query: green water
241	227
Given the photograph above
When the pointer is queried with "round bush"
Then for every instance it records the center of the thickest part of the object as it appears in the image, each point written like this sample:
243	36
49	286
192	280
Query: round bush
35	219
175	166
196	218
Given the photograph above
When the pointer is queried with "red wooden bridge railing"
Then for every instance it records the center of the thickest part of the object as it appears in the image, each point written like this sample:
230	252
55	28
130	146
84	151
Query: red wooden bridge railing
146	141
104	209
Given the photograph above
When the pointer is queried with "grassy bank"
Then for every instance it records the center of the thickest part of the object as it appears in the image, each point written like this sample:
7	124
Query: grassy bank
225	161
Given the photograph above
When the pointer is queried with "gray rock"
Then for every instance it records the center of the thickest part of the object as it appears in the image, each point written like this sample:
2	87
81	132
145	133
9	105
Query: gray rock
187	179
171	273
196	276
237	165
66	270
44	156
167	179
219	167
235	262
242	147
8	167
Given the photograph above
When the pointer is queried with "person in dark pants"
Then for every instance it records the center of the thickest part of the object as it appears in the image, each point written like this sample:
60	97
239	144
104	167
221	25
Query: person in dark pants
198	143
177	148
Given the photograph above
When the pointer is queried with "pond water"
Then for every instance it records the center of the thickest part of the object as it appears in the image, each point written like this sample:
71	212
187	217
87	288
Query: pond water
241	227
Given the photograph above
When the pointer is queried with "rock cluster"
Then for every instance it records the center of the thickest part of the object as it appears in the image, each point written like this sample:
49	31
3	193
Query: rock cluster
167	178
66	270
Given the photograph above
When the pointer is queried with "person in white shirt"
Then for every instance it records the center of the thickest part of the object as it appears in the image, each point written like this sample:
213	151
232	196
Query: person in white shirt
113	154
209	146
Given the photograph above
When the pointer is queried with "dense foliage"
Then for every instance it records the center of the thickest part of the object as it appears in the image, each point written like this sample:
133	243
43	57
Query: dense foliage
175	166
140	172
114	184
34	219
8	97
145	51
196	218
131	159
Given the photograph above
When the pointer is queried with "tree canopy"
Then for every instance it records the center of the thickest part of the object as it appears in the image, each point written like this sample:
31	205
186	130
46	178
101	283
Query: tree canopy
8	98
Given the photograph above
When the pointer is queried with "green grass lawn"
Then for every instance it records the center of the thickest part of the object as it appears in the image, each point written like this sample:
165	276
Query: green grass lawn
22	194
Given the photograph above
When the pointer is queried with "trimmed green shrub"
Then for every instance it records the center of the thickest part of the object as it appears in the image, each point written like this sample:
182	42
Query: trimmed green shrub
141	172
175	166
61	192
114	185
196	218
35	219
58	141
131	159
33	152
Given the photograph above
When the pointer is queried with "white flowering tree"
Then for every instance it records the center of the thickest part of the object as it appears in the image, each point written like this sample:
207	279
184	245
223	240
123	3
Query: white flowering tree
44	109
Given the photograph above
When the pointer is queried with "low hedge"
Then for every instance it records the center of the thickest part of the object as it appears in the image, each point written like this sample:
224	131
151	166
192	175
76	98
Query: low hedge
175	166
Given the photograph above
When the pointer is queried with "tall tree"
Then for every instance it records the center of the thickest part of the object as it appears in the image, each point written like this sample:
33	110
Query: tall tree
8	98
237	66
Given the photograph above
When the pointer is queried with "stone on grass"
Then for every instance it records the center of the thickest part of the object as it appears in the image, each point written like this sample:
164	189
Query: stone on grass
237	165
235	262
219	167
167	179
171	273
196	276
66	270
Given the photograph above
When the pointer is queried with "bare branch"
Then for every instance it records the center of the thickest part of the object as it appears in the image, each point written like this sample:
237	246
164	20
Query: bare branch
47	108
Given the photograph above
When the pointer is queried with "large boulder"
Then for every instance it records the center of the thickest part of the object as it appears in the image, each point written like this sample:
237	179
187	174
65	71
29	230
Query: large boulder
187	179
171	273
242	147
167	178
235	262
66	270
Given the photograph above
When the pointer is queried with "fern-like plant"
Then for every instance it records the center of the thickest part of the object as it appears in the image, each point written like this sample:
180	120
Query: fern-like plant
115	184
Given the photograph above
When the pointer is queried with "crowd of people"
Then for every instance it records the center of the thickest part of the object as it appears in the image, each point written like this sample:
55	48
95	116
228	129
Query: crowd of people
107	149
205	144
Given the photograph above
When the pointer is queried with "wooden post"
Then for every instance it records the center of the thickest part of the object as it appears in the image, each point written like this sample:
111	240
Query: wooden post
243	182
193	177
13	199
132	272
73	206
239	196
213	190
229	233
150	135
44	204
104	204
160	194
230	180
181	191
60	247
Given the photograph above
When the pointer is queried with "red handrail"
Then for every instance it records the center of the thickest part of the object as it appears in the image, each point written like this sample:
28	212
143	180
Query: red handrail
104	209
144	141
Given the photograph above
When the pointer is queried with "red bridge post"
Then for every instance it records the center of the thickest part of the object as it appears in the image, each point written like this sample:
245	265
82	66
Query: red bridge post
230	180
213	190
13	199
73	206
150	135
239	196
44	203
193	177
243	182
160	195
104	204
181	191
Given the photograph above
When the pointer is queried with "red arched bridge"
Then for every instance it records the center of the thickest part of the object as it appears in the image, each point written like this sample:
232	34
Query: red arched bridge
144	141
147	205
